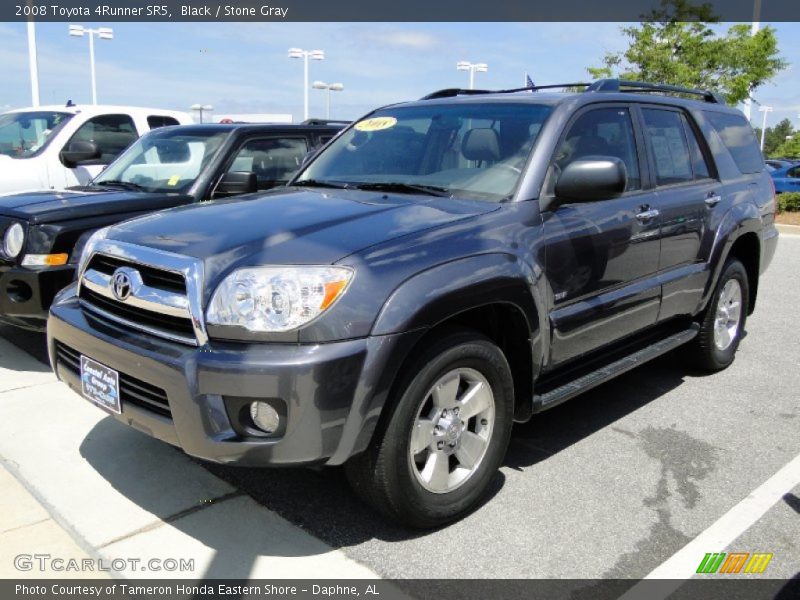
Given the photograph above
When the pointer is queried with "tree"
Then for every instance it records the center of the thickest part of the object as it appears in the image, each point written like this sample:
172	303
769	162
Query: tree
776	136
676	45
788	149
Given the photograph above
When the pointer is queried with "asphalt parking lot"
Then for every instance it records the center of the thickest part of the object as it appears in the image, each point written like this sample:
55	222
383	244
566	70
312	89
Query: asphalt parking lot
612	484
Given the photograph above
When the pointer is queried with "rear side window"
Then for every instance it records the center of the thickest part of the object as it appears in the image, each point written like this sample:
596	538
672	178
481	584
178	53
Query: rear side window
794	173
739	139
699	164
665	135
156	121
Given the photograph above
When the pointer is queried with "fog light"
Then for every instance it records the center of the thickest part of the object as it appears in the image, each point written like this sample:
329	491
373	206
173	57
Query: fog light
264	417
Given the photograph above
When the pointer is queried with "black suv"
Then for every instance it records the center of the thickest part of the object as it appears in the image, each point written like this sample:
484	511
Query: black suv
441	269
42	233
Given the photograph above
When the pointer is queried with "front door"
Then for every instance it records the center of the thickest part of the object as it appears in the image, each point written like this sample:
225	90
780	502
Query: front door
601	257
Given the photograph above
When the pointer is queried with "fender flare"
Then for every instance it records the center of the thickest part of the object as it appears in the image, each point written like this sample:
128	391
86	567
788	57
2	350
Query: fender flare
740	219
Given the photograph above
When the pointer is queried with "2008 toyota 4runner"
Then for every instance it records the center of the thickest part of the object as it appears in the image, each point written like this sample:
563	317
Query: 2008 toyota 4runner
441	269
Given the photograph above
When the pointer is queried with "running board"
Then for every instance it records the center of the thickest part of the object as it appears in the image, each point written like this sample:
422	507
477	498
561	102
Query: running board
586	382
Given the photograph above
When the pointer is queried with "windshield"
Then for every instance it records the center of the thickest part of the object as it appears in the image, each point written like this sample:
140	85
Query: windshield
462	149
23	134
165	160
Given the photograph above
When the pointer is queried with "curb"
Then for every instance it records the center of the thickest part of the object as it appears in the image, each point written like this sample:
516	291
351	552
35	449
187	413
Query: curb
790	229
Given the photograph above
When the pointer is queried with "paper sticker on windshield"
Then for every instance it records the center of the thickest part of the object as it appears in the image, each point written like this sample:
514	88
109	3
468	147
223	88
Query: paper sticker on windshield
376	124
174	180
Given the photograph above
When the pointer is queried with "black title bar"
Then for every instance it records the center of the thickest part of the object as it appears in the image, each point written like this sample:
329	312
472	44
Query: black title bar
380	10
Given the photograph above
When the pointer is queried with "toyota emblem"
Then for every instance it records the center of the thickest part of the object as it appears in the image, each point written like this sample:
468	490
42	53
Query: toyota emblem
121	285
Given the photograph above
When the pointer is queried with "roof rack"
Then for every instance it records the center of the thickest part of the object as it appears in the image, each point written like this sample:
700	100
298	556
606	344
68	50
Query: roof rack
601	85
622	85
451	92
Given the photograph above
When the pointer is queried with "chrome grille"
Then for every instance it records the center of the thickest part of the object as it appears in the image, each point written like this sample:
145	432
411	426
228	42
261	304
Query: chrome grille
162	295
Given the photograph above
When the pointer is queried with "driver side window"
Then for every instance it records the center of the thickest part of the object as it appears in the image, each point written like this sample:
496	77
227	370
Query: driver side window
602	132
111	133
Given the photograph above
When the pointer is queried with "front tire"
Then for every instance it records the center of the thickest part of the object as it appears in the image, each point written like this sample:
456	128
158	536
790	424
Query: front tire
722	324
446	436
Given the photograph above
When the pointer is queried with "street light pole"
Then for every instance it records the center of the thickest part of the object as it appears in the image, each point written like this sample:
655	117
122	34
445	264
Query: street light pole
305	55
765	110
472	68
748	104
329	87
33	63
104	33
200	109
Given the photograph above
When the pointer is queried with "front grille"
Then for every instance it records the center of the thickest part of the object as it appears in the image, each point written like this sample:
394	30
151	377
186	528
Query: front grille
131	390
157	278
138	316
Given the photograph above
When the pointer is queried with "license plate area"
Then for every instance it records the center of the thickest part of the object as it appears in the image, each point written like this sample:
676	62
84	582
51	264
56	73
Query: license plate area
100	385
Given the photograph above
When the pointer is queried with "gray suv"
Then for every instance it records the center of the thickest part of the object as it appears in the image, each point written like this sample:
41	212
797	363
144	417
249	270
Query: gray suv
440	270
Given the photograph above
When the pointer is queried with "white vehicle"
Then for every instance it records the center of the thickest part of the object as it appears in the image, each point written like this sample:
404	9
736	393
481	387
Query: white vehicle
54	147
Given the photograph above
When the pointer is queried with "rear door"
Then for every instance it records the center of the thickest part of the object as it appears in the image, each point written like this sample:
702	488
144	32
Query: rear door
601	257
688	194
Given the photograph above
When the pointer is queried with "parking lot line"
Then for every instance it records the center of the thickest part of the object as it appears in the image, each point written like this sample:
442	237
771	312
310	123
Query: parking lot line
683	564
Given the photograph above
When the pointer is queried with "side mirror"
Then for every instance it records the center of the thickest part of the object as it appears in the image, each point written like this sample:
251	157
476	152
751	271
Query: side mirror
78	153
591	178
237	182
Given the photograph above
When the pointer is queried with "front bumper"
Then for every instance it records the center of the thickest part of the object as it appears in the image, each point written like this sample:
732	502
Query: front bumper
26	294
333	393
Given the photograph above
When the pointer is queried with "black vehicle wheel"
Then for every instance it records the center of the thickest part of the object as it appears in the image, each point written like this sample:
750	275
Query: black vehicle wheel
446	437
722	324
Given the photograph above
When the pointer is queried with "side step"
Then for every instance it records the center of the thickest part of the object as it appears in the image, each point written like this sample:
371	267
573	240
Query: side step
586	382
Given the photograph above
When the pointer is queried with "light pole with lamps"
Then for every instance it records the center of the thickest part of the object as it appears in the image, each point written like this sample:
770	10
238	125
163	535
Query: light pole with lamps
200	109
472	68
104	33
305	55
765	110
331	87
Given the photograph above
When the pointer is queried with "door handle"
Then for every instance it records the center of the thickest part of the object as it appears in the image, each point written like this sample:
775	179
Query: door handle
713	200
648	214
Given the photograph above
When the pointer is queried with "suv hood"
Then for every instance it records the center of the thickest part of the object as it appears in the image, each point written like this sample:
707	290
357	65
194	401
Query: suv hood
50	206
291	227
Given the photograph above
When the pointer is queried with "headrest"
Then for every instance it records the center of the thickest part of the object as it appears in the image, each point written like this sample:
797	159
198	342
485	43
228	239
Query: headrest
172	151
481	144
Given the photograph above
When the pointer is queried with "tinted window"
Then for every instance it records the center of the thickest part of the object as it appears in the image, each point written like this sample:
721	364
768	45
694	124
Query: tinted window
793	172
273	160
111	133
602	132
699	164
155	121
739	139
665	135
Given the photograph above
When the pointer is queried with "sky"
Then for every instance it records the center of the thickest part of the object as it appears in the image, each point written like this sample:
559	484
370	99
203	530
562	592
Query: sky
244	68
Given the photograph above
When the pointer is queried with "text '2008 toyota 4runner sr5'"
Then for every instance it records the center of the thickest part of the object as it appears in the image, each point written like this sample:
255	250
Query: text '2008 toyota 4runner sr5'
441	269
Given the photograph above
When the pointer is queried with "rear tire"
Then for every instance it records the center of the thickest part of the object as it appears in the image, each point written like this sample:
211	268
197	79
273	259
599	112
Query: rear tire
722	324
446	437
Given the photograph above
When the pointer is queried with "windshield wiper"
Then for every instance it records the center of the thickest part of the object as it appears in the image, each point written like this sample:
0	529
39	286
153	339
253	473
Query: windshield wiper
404	188
126	185
321	183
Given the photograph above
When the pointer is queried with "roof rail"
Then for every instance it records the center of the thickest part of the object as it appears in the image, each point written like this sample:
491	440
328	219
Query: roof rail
623	85
451	92
601	85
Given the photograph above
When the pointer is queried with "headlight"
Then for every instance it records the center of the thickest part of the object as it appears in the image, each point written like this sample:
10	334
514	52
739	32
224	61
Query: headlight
89	247
13	240
273	299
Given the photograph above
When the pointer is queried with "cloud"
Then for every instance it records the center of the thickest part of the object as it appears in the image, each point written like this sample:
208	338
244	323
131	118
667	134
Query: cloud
405	39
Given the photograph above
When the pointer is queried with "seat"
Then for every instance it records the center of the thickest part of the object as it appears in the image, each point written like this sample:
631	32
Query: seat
481	143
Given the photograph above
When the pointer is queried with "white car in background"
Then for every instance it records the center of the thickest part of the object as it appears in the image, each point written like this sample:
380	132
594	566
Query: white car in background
54	147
